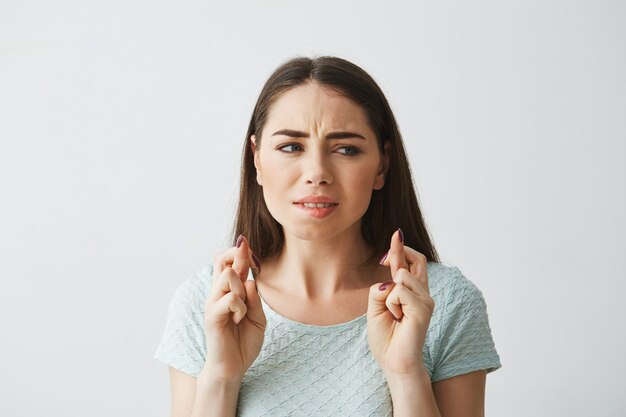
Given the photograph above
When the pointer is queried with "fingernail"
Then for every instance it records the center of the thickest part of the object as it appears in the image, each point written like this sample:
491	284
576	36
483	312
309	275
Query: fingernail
401	235
239	240
256	261
385	285
383	258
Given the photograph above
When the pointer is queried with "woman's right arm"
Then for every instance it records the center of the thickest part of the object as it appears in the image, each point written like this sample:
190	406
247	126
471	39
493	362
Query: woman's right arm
203	396
183	392
234	325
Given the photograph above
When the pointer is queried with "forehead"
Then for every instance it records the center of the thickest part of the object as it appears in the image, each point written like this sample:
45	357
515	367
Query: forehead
311	104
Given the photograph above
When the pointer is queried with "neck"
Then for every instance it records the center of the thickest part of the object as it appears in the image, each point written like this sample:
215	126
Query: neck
320	270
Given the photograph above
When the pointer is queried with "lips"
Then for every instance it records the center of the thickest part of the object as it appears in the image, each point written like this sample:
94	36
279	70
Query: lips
317	199
318	206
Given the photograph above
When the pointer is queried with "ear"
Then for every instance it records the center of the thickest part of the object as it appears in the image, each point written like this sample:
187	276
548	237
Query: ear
257	164
383	167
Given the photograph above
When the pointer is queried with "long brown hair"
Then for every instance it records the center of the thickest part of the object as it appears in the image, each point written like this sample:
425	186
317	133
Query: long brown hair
392	207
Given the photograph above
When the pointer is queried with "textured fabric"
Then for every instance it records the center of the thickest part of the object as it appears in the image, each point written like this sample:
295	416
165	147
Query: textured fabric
307	370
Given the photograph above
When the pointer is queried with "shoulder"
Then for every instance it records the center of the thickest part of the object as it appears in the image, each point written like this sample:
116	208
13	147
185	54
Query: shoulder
453	293
462	340
449	282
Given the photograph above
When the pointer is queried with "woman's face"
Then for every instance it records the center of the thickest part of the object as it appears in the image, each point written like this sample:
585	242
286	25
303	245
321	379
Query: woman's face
317	143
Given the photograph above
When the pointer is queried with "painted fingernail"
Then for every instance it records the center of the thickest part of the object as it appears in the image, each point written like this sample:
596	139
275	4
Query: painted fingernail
239	240
385	285
383	258
401	235
256	261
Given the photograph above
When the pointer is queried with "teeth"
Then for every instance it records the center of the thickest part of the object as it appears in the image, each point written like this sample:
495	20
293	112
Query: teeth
317	205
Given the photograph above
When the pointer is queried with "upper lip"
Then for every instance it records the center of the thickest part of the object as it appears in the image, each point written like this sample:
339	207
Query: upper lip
316	199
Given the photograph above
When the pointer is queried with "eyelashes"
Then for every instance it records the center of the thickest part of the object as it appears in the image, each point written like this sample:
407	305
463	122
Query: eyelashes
347	150
353	151
290	145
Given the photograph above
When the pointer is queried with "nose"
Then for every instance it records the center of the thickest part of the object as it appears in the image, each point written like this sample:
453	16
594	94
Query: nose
317	170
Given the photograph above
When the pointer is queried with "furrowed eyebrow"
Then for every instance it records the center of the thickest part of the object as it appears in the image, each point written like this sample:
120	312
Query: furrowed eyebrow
332	135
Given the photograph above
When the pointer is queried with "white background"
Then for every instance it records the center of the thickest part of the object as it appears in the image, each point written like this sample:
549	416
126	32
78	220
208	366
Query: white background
121	126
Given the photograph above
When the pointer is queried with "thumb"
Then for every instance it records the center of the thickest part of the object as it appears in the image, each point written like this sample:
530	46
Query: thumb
253	302
377	297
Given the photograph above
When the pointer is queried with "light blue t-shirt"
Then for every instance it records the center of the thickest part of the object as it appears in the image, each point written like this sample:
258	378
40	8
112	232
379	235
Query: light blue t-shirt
308	370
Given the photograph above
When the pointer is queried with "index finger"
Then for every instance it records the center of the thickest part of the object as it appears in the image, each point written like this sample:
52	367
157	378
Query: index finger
225	260
415	262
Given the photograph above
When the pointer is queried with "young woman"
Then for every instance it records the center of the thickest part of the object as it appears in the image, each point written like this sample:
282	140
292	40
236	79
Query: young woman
348	311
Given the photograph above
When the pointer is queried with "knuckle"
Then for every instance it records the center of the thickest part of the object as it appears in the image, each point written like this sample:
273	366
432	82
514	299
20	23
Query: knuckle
403	276
418	258
231	298
389	303
399	278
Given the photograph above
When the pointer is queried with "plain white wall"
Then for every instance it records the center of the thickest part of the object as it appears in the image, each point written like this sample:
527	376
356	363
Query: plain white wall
121	125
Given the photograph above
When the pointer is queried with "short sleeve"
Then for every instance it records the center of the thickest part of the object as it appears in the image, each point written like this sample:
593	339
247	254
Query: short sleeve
465	343
183	344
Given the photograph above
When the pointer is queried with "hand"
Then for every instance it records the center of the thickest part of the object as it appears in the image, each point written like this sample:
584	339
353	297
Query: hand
233	340
397	344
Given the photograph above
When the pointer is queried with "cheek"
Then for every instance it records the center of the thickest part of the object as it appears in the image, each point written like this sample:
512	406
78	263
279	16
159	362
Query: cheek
361	188
277	182
276	175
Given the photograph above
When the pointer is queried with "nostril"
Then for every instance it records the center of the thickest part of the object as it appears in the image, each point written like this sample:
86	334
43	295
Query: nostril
317	182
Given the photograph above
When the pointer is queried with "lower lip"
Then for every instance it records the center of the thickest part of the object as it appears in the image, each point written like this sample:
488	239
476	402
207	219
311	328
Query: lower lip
317	212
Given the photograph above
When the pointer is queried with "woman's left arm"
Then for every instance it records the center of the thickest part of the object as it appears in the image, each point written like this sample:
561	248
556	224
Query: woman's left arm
412	395
399	314
460	396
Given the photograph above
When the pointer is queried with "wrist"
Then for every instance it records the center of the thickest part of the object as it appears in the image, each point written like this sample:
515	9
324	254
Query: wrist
215	395
419	375
412	393
209	377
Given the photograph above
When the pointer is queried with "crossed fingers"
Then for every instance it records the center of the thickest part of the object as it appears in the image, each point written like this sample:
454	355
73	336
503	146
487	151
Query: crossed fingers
230	270
408	271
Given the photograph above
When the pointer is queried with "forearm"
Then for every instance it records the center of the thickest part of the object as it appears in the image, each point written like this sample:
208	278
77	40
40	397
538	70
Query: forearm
215	398
412	395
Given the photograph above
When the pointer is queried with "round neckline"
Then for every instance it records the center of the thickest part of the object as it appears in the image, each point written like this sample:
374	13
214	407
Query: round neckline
284	319
310	326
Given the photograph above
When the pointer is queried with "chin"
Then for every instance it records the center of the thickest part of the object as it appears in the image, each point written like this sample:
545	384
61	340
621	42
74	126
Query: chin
318	232
312	233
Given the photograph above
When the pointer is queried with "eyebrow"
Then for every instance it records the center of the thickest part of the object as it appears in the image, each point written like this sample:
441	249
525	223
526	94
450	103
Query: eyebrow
332	135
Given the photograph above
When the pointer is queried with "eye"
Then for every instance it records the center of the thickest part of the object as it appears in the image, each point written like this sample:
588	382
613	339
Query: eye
285	148
349	150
